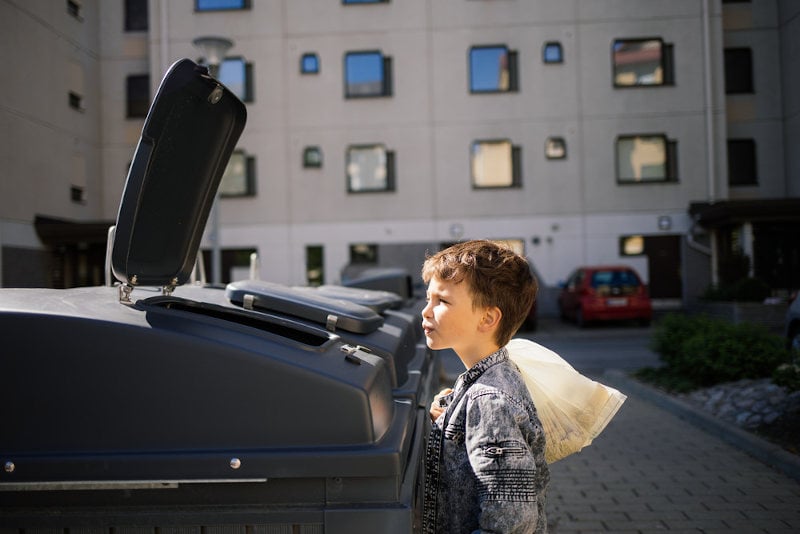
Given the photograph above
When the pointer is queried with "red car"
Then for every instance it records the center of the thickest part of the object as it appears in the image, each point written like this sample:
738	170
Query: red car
605	293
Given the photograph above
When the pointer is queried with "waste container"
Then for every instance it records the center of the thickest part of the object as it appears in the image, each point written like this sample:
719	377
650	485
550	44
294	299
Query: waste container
155	404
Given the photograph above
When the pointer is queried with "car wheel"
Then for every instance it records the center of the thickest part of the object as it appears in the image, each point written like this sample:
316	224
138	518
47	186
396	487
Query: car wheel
579	320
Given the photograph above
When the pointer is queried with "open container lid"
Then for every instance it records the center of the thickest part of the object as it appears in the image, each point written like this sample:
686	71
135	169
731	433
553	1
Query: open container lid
190	132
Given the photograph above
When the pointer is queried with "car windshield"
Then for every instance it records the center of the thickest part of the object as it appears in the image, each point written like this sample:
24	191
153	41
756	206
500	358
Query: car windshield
615	282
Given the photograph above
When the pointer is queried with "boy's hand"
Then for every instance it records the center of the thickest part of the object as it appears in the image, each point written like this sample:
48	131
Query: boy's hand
436	407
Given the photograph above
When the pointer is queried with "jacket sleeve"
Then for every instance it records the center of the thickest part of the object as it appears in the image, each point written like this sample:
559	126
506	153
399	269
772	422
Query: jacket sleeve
503	463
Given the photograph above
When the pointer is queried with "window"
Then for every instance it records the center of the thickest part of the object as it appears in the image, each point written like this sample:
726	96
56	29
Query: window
315	265
364	253
309	64
74	8
370	168
631	245
367	74
646	158
312	157
495	164
492	69
75	100
138	95
642	62
221	5
551	53
555	148
742	162
738	71
239	178
237	75
136	15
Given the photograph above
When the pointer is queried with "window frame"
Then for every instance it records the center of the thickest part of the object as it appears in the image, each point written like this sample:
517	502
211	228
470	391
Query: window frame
513	70
308	162
134	24
670	160
303	69
552	44
743	86
247	82
389	164
136	108
386	75
249	162
666	62
555	139
515	164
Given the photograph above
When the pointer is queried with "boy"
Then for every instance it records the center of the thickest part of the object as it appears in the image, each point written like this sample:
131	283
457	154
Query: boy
485	467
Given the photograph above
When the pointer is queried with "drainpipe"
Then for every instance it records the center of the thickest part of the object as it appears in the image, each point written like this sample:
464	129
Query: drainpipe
711	163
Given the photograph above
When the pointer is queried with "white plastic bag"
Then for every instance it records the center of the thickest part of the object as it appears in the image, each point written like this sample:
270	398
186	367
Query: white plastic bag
573	409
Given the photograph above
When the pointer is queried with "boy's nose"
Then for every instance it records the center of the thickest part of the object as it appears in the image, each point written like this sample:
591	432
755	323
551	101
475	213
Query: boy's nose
426	310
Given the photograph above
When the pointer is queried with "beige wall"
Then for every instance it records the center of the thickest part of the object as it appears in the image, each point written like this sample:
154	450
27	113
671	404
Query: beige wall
429	121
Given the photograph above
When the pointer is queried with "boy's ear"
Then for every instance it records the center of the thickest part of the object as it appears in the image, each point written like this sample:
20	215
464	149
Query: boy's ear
491	318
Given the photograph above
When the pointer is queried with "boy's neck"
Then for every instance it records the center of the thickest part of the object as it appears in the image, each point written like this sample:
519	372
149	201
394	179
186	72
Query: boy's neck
475	354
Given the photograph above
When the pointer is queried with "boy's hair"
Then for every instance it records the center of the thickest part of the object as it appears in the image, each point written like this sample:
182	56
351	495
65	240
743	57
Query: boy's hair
496	276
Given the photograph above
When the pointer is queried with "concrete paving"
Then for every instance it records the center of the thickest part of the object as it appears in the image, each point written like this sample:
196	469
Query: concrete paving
663	466
658	468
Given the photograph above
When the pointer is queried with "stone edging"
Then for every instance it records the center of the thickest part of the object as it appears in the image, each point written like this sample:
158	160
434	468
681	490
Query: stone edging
761	449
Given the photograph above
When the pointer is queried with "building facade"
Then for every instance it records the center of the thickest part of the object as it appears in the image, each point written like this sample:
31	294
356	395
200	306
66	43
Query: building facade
582	131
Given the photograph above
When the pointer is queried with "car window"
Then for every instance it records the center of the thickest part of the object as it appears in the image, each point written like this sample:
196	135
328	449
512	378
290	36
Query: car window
615	282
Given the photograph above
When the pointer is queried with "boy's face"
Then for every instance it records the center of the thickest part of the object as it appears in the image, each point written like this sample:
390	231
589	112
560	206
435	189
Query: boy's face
448	319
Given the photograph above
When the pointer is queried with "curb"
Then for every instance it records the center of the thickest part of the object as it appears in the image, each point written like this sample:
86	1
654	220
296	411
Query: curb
757	447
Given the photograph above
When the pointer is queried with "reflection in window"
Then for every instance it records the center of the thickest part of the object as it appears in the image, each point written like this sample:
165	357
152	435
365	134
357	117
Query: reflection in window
555	148
492	69
642	62
738	71
367	74
312	157
369	168
364	253
237	74
309	63
315	265
138	95
495	164
238	180
645	158
551	53
742	162
632	245
219	5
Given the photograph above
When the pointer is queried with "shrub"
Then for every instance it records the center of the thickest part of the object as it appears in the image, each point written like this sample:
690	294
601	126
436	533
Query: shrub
699	351
788	376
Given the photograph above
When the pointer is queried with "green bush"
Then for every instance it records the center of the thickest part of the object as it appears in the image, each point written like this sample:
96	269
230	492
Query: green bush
699	351
788	376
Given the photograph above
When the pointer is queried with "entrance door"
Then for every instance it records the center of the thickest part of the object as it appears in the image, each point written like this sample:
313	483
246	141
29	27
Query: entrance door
664	263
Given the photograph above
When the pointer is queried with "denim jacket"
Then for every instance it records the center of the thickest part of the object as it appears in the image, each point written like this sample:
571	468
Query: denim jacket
485	467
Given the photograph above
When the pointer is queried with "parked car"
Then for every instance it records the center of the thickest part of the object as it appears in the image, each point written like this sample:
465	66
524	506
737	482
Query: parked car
605	293
793	324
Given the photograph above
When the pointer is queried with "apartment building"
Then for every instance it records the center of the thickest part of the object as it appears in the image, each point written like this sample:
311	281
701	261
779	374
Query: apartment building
581	131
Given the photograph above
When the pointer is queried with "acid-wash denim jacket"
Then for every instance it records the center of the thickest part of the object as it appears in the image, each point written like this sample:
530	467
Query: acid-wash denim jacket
485	467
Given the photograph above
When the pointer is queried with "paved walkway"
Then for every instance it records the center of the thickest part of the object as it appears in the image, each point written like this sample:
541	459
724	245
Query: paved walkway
653	471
